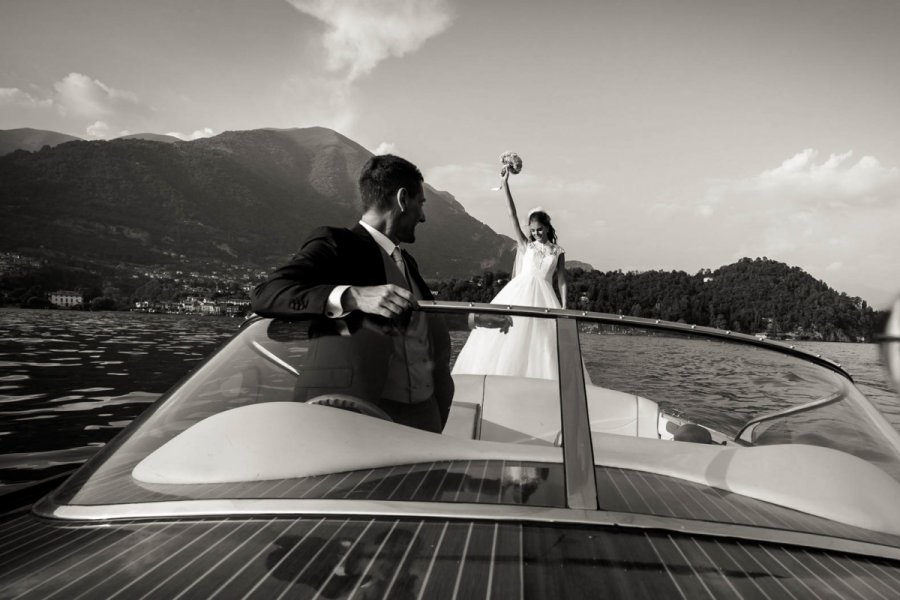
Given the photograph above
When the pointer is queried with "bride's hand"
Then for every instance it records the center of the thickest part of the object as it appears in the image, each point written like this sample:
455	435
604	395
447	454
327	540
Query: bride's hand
504	176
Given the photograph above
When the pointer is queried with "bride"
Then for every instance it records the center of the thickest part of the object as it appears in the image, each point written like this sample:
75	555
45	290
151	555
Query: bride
528	348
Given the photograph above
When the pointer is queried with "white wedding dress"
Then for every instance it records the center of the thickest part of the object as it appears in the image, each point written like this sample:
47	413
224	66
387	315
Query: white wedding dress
528	349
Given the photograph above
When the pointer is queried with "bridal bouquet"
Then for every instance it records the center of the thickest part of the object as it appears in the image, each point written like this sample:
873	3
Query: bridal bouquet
511	162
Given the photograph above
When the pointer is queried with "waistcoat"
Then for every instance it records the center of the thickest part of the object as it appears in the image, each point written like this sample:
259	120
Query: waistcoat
410	370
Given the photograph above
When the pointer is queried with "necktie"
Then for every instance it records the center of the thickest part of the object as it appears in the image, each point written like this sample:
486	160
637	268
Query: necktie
401	264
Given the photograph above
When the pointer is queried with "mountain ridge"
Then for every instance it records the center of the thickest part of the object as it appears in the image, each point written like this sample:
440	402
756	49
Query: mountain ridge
30	140
248	196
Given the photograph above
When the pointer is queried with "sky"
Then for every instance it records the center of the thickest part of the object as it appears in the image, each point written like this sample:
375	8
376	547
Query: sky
657	134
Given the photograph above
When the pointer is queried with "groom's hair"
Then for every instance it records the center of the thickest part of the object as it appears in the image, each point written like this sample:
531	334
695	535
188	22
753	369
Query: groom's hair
382	176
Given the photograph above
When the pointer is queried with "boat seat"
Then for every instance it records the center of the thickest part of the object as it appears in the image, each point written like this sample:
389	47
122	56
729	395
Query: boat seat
820	481
286	440
532	405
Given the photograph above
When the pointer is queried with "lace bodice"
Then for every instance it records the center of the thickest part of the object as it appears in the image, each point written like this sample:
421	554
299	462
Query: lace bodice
538	260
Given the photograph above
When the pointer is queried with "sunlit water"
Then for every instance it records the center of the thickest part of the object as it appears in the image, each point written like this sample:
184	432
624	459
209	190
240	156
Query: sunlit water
69	381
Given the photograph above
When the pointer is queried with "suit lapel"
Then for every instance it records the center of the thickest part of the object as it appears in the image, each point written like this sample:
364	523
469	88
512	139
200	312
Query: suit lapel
370	265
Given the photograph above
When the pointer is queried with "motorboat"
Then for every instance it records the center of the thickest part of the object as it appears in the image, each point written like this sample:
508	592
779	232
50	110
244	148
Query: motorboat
662	460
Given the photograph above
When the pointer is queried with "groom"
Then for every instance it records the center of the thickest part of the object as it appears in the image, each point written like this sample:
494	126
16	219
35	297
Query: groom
361	279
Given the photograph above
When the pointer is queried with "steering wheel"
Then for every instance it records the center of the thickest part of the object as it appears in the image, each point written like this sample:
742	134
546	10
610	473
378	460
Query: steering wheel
351	403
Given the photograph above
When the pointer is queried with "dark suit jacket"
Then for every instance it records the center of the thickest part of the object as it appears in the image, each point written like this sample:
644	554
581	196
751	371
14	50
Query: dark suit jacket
333	256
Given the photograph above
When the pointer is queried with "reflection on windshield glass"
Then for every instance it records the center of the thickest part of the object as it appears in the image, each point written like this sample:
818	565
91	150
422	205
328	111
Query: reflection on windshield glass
723	386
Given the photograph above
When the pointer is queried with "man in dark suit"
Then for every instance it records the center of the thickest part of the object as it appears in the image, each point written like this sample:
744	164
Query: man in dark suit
364	282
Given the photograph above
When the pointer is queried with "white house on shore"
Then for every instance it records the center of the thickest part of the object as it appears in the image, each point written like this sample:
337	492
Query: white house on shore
66	298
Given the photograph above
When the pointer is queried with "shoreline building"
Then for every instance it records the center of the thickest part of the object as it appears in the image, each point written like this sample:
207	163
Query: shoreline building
66	298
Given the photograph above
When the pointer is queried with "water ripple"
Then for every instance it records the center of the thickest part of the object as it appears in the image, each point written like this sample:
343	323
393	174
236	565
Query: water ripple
75	379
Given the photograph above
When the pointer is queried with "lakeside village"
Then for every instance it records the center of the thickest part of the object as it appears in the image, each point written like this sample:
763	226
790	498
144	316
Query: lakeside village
163	290
217	290
196	289
808	309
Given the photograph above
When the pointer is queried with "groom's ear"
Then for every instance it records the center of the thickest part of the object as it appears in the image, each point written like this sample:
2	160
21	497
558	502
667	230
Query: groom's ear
402	199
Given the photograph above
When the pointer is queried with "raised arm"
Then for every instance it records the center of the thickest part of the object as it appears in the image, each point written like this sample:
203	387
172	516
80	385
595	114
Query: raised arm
521	240
561	278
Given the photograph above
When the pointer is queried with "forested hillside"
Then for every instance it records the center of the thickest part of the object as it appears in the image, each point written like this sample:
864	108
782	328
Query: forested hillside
751	296
243	198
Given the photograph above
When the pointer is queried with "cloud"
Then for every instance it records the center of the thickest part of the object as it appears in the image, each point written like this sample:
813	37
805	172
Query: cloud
98	130
802	182
77	102
80	96
362	34
835	216
199	133
14	97
386	148
19	108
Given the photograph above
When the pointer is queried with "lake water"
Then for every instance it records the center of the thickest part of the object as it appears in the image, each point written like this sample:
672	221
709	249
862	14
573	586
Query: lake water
69	381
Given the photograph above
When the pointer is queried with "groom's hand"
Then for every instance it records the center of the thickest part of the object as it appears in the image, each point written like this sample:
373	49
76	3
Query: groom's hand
389	300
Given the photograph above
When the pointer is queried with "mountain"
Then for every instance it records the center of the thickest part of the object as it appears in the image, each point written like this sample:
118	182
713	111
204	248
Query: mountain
242	197
30	139
577	264
152	137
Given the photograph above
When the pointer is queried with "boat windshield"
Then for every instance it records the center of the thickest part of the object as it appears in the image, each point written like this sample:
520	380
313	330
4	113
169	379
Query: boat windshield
739	393
284	379
280	413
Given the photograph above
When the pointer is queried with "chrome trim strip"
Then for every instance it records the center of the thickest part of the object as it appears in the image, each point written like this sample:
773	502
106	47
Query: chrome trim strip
610	319
578	451
456	511
752	423
259	348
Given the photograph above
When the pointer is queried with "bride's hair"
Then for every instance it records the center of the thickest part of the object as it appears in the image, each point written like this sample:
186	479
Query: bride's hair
544	219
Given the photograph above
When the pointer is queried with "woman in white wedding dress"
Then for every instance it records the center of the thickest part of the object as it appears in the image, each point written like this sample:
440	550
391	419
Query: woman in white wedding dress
528	348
